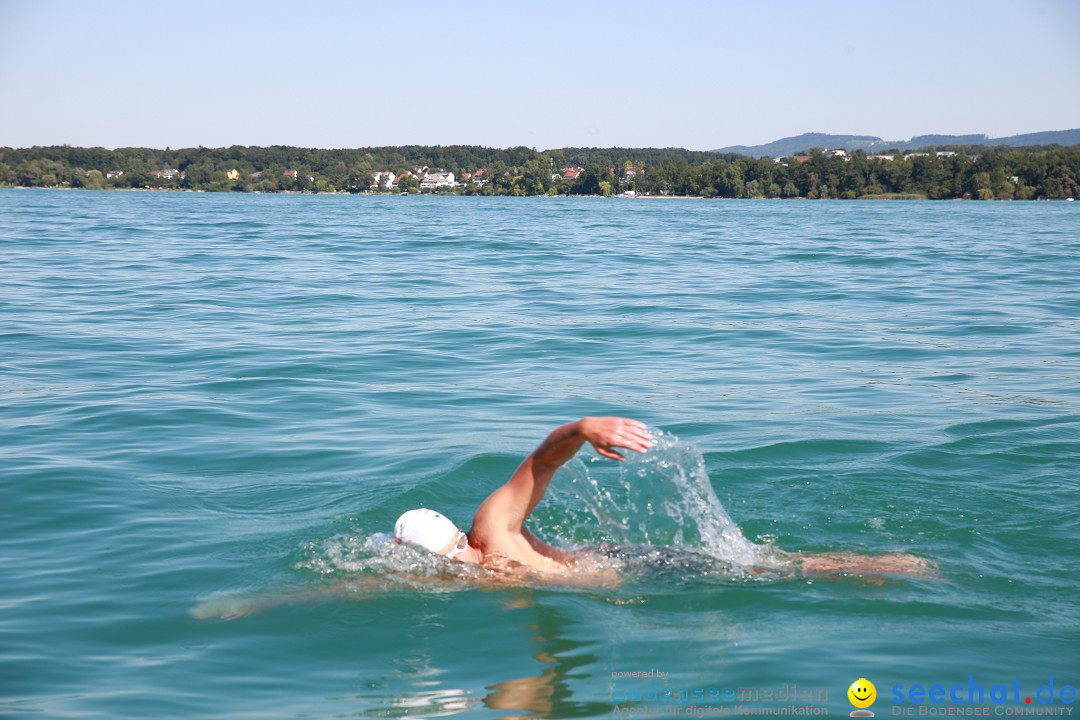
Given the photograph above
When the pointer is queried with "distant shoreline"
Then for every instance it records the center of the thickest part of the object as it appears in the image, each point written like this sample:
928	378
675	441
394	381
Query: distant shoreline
896	197
934	174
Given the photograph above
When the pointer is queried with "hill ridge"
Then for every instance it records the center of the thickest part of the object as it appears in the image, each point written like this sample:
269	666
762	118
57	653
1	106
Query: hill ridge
805	141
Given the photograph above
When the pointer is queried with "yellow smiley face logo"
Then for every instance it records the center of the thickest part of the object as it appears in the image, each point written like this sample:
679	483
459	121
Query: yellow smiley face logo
862	693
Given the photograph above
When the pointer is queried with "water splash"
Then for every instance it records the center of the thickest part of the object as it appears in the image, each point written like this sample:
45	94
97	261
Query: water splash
350	566
382	560
661	498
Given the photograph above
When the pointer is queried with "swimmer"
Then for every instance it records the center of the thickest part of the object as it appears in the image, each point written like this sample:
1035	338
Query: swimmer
499	539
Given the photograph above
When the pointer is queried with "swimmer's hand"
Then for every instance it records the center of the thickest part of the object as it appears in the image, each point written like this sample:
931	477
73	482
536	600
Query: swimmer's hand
607	433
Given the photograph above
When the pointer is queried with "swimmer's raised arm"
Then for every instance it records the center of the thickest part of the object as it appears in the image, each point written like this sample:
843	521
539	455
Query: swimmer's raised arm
511	504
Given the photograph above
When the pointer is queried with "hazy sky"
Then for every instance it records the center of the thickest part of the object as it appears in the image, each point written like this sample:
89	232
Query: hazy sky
699	75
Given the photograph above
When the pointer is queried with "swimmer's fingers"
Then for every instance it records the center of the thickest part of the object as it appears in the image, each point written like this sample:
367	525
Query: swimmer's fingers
608	453
644	439
633	437
606	434
635	445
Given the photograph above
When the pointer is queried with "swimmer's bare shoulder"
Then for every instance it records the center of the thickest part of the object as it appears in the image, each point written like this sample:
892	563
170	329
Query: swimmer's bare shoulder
579	569
504	565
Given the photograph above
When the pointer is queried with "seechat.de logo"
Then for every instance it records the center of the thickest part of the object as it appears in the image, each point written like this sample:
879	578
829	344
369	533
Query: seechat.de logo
862	694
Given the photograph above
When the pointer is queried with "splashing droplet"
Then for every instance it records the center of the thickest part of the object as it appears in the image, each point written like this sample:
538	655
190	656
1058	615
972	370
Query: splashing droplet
662	498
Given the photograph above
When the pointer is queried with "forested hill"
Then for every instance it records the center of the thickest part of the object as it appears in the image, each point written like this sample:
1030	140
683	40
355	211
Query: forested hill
961	172
801	143
870	143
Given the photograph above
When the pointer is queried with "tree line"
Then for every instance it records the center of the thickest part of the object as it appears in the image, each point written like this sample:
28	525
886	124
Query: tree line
975	172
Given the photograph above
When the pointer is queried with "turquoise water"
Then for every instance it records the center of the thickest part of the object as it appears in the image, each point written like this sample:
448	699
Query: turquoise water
216	403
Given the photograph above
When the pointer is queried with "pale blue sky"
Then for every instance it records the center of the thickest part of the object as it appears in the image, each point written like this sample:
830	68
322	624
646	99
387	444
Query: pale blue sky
547	74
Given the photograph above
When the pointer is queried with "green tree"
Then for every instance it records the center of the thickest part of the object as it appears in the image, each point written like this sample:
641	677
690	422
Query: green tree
499	179
1004	190
1025	192
536	176
979	186
28	174
588	182
729	183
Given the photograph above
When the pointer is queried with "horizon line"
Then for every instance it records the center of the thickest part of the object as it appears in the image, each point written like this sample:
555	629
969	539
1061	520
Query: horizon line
170	148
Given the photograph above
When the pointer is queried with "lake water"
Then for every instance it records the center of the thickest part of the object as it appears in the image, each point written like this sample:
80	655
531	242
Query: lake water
213	407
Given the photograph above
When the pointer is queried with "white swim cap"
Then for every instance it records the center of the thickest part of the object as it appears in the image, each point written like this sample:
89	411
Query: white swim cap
426	528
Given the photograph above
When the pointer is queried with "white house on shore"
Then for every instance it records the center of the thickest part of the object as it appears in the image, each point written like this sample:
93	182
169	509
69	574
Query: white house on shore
380	179
438	180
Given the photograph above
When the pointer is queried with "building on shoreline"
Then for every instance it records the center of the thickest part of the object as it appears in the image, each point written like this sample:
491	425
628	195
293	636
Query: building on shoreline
442	179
